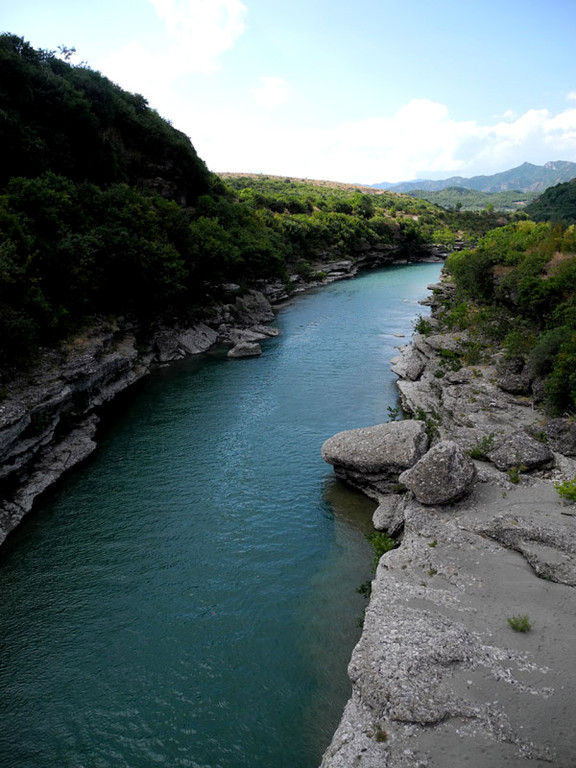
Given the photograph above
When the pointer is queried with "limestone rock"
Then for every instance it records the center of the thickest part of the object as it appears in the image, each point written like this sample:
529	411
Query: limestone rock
266	330
561	434
245	349
520	450
389	515
443	475
251	308
197	339
371	458
166	347
513	376
409	365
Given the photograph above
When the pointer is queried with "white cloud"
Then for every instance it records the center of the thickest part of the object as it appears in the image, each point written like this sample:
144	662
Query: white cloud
196	34
201	30
571	96
271	92
420	140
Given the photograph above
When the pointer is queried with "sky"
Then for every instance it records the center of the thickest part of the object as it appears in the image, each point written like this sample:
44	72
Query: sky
364	92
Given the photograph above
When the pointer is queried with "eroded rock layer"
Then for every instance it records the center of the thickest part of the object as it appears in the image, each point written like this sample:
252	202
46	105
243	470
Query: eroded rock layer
48	420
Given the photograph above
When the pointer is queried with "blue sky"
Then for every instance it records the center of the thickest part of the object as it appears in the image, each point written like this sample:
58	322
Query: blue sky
367	91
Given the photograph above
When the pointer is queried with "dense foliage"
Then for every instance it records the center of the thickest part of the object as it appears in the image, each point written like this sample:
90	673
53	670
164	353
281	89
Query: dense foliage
556	204
385	216
518	289
75	122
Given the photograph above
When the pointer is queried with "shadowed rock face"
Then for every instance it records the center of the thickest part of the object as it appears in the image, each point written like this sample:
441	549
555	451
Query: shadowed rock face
443	475
48	422
561	434
371	458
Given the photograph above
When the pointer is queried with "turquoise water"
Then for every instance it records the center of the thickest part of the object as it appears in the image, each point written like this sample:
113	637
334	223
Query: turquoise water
188	597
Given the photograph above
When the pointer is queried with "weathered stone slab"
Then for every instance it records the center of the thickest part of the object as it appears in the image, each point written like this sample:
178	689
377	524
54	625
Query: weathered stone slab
245	349
408	365
520	450
197	339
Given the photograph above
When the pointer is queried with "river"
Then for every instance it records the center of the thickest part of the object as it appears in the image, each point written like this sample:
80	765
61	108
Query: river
188	597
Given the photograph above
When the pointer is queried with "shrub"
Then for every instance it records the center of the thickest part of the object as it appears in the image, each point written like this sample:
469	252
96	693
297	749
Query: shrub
520	623
482	447
422	326
567	489
514	474
381	543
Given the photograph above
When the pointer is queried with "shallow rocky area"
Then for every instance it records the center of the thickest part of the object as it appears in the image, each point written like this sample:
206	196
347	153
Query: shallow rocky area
439	677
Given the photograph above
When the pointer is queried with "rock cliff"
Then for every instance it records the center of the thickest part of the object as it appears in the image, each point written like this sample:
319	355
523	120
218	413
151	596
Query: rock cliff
440	678
48	421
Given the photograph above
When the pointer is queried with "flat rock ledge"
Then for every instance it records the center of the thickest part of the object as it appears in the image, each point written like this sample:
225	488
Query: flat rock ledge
439	677
245	349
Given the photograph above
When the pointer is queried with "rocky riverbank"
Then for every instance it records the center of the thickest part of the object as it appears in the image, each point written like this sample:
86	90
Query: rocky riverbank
49	416
440	678
49	419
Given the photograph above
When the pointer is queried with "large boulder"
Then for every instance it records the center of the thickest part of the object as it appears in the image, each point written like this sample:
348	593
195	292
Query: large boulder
251	308
442	476
520	450
371	458
513	376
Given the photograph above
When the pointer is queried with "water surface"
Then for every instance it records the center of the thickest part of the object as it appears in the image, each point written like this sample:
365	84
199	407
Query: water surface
188	597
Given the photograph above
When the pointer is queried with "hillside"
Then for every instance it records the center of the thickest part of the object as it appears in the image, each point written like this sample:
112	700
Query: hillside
107	211
464	199
525	178
75	122
556	204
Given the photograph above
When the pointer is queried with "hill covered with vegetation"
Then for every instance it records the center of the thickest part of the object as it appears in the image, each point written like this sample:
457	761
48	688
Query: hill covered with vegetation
556	204
464	199
106	210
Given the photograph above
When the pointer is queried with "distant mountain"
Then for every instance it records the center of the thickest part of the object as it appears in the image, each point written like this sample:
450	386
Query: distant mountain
555	204
525	178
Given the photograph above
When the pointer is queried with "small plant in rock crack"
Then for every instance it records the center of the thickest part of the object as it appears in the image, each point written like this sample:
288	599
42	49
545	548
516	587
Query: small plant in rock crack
394	413
482	447
365	589
514	474
381	543
422	326
520	623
